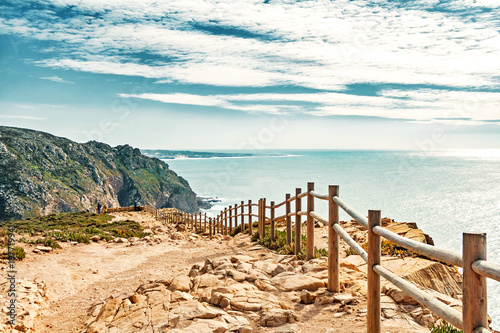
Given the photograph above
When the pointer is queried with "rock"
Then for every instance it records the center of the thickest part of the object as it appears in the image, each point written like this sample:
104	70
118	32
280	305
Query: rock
177	236
109	310
120	240
95	238
344	299
237	275
203	326
194	271
265	266
242	258
305	297
244	329
180	296
180	283
297	282
279	269
220	299
44	248
288	328
221	261
244	303
208	280
277	317
194	309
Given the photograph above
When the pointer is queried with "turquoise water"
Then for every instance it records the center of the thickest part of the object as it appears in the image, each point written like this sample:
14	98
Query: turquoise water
445	192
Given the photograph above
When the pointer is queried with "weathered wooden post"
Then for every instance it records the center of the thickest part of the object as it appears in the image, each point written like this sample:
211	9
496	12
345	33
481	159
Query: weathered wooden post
475	309
333	241
310	222
230	219
242	217
273	233
205	223
263	226
225	221
298	221
250	226
259	223
288	220
210	233
373	312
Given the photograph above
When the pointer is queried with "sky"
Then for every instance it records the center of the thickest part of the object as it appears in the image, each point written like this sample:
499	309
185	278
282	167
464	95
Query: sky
193	74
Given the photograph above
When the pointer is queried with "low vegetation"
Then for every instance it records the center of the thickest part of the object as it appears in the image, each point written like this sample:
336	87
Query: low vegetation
387	249
73	227
279	244
17	251
444	328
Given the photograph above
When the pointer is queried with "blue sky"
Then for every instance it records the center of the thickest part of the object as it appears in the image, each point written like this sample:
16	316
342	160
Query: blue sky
193	74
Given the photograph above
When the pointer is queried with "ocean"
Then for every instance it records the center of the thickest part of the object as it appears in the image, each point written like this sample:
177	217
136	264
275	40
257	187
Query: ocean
445	192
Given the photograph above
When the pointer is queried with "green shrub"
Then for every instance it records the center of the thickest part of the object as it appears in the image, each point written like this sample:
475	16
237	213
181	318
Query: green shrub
349	251
236	230
444	328
318	253
19	253
48	242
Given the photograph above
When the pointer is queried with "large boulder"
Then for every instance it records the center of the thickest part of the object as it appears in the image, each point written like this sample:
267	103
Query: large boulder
296	282
181	283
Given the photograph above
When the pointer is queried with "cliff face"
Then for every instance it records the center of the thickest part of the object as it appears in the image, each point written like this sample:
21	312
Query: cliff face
42	174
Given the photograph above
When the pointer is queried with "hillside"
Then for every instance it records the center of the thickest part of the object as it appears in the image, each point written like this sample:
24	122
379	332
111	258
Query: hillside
42	174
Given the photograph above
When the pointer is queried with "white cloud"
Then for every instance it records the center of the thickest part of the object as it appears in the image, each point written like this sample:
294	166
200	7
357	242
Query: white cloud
13	116
317	44
422	105
56	79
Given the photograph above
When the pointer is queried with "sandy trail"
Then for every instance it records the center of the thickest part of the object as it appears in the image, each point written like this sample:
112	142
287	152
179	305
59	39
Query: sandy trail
77	276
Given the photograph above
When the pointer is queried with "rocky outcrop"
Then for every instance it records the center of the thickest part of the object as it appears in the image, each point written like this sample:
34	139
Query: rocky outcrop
30	299
42	174
243	293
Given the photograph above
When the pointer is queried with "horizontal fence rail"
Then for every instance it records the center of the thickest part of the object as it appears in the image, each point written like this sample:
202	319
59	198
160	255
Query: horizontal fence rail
474	316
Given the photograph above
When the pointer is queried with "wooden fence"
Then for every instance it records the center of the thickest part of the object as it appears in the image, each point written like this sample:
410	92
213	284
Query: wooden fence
476	269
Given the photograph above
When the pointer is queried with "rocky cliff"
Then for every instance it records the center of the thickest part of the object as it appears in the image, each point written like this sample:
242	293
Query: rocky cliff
42	174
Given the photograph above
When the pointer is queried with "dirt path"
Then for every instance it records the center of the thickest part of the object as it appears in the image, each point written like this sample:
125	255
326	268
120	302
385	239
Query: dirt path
77	276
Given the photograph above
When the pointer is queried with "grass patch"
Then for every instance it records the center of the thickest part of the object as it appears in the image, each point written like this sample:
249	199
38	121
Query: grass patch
444	328
391	249
387	249
17	251
280	246
75	227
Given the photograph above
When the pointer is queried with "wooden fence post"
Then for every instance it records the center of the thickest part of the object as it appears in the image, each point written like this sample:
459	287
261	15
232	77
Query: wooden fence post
310	222
230	219
333	241
263	217
225	221
210	227
373	313
205	224
250	226
475	309
242	228
259	219
273	233
288	220
298	221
